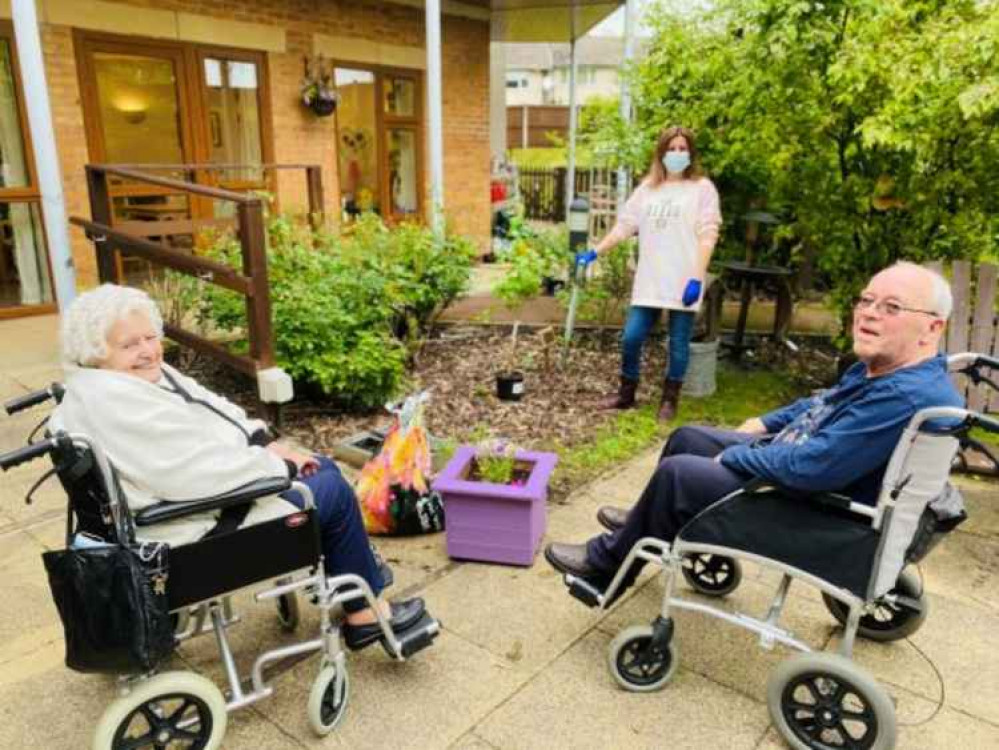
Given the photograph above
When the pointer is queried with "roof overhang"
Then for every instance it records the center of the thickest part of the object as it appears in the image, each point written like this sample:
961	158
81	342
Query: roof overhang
529	20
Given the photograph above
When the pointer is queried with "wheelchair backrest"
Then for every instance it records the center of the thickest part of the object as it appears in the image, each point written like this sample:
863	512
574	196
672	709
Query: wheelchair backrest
88	495
916	474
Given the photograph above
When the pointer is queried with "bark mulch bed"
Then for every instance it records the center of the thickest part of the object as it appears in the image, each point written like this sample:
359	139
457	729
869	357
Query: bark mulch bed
458	366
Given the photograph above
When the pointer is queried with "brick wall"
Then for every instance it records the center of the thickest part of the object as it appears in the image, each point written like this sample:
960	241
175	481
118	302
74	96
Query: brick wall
298	136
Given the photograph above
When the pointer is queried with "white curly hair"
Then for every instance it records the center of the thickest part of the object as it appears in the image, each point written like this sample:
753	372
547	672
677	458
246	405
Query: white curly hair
90	317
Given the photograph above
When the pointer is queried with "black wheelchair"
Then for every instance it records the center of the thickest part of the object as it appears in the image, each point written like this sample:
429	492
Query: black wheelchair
182	709
855	554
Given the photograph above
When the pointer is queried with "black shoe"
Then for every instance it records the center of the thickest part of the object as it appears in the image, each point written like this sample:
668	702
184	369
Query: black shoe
404	614
571	558
612	518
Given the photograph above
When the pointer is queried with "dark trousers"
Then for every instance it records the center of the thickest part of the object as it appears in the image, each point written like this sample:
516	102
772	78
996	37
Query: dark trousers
686	481
341	529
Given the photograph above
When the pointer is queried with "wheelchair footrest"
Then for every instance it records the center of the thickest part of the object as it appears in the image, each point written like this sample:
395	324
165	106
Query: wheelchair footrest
418	636
585	592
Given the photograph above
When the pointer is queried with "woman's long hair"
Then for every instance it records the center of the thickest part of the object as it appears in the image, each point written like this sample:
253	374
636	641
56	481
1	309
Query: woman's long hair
657	172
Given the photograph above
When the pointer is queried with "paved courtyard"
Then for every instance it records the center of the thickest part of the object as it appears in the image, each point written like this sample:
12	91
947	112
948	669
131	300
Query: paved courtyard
519	663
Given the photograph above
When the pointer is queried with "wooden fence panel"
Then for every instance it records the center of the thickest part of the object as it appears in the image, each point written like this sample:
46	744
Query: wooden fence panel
983	328
542	189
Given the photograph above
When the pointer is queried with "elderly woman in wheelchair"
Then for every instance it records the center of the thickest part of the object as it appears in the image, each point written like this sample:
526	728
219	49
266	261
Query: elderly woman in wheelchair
149	456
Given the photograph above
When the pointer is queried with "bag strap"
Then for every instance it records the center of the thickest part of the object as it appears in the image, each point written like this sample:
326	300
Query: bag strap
229	520
182	392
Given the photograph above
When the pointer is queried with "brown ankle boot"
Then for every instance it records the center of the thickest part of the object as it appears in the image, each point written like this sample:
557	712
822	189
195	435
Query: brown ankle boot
671	399
625	396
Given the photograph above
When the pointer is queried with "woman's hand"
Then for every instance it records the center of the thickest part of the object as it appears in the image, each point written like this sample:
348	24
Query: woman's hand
691	292
307	465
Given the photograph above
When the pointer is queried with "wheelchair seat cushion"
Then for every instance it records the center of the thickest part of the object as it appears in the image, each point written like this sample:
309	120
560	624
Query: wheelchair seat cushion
826	542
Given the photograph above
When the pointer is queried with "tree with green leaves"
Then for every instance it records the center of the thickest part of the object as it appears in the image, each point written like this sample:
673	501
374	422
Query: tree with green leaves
870	125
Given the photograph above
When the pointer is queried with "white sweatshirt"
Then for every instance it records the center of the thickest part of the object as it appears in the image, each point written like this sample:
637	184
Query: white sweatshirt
670	220
167	449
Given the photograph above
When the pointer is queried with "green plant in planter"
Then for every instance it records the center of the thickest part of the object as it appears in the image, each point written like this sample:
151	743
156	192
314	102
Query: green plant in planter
495	461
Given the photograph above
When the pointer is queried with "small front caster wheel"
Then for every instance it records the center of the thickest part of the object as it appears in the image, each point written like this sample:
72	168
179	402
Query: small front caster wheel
180	710
328	699
819	701
636	664
711	575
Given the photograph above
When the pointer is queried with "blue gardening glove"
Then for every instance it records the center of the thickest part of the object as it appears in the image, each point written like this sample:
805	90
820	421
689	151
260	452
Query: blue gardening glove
691	292
586	257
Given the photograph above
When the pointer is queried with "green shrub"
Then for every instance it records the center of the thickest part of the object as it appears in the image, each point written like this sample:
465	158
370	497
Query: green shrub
337	302
533	255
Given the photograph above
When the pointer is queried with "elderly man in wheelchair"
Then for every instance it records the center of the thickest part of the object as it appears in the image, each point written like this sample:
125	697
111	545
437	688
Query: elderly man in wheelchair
153	460
832	490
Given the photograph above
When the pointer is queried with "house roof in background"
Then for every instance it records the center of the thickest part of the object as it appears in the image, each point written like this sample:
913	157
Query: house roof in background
590	50
527	20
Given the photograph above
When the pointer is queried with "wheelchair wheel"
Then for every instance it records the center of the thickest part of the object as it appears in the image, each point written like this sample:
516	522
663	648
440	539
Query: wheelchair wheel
711	575
888	621
820	701
173	709
328	699
636	666
288	612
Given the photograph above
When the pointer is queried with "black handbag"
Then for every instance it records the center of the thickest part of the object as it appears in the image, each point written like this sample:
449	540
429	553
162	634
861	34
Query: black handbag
112	600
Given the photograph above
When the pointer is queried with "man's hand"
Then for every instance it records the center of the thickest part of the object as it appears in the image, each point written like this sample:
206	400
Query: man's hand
307	465
754	426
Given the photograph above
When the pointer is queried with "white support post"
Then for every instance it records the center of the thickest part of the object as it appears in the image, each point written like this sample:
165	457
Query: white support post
626	113
570	172
435	116
36	96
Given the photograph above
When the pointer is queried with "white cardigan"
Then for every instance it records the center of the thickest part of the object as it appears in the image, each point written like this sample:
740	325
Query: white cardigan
165	448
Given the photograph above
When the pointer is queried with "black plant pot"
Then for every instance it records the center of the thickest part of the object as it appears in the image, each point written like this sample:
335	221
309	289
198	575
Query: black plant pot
510	386
551	285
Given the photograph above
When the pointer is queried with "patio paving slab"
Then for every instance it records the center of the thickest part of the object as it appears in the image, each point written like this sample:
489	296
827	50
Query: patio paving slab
576	701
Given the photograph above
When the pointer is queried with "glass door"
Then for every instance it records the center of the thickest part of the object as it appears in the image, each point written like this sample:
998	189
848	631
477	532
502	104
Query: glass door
25	276
378	124
232	103
136	103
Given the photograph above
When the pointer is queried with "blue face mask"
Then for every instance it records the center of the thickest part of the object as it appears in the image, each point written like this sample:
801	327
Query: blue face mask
676	161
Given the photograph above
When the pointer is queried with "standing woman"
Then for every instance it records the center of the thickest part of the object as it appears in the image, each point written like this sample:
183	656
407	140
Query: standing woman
676	215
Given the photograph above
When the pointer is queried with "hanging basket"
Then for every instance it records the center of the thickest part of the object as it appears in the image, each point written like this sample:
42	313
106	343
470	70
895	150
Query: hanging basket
322	104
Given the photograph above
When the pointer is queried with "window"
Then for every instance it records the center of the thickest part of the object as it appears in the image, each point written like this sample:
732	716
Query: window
25	279
379	137
516	81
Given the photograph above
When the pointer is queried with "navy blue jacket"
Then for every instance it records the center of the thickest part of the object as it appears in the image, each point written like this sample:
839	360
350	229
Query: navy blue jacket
841	439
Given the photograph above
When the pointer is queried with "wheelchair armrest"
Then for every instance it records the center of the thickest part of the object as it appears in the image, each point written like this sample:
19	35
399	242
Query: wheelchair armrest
168	510
831	499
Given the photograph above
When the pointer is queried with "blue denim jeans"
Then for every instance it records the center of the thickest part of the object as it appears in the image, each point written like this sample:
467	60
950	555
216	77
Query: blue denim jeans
341	529
636	330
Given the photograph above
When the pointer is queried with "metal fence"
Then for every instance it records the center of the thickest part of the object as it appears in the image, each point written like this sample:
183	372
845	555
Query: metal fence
542	189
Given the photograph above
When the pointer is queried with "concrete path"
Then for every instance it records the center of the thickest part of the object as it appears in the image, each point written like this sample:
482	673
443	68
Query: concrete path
520	664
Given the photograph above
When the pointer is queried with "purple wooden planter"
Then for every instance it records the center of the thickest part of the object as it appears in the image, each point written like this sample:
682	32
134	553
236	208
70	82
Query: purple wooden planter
495	522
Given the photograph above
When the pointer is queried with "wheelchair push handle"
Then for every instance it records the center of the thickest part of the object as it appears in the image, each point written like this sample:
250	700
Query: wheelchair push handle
15	405
27	453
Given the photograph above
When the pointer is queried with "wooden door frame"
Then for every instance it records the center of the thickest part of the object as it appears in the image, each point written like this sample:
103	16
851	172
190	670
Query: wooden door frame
382	124
193	115
29	193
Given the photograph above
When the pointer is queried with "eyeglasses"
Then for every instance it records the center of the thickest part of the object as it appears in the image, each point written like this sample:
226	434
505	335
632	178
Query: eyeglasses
888	307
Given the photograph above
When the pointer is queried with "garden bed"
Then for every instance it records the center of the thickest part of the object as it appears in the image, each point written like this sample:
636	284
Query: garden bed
559	410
